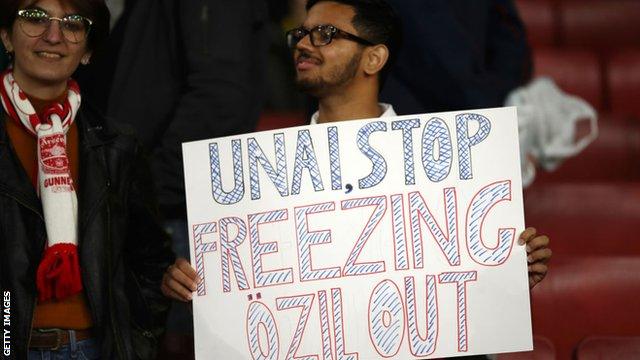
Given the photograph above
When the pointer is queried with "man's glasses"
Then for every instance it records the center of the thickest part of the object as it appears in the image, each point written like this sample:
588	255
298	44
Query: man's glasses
35	22
321	35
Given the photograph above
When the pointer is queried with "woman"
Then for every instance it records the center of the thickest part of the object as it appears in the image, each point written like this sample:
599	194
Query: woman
82	254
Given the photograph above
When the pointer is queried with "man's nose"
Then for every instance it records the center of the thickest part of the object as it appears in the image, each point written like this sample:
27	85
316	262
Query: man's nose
305	43
53	34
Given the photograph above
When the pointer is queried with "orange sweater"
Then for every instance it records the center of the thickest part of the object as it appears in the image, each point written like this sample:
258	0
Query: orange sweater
73	312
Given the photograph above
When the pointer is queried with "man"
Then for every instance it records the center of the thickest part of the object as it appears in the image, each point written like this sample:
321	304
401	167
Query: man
342	54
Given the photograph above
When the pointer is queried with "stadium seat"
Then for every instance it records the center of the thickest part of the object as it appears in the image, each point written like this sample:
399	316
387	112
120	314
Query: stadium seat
577	72
586	219
600	24
539	17
609	348
613	156
623	80
543	349
584	295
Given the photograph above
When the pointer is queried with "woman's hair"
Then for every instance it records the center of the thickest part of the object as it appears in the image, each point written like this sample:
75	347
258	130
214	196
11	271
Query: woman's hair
96	10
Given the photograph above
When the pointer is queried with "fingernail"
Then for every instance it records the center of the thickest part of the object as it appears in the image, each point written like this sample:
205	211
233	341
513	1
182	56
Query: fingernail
528	248
520	241
529	259
189	296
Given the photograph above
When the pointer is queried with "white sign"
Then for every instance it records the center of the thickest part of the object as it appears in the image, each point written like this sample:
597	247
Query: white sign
381	238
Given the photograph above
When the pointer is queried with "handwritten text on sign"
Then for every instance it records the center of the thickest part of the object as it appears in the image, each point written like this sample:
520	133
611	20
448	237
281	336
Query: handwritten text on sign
380	238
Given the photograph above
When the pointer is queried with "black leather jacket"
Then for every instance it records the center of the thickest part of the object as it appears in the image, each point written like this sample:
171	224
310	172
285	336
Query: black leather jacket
123	250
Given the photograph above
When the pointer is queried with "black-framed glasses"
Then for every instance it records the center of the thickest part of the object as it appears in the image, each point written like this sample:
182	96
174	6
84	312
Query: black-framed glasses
35	22
321	35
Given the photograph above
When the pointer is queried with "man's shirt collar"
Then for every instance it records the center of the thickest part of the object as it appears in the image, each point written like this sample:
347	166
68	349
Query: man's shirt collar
387	111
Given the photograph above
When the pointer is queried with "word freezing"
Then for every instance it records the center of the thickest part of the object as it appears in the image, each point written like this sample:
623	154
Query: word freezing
235	233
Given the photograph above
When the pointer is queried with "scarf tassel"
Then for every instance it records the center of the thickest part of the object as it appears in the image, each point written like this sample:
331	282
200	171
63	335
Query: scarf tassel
59	273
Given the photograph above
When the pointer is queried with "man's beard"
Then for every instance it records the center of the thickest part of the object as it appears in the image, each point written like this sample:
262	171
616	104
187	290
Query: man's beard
336	78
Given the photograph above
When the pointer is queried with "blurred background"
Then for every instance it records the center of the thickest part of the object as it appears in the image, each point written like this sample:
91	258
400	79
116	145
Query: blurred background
588	306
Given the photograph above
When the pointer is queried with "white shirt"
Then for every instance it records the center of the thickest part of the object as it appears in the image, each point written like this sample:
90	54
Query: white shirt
387	111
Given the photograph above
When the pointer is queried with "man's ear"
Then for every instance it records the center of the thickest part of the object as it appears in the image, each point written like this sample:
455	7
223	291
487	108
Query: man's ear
6	40
375	57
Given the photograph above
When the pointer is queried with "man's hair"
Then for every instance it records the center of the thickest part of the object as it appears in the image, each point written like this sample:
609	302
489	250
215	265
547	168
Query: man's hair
96	10
377	22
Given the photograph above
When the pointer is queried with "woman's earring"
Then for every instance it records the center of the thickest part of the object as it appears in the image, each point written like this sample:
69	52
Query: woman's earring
85	60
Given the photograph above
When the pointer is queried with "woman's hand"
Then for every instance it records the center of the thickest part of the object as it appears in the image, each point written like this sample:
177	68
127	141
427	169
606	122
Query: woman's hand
538	254
179	281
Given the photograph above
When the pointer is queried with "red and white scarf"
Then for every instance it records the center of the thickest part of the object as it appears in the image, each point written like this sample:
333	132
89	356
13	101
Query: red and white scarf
58	274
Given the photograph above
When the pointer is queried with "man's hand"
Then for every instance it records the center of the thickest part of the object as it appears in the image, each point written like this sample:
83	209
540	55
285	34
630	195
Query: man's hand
179	281
538	254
